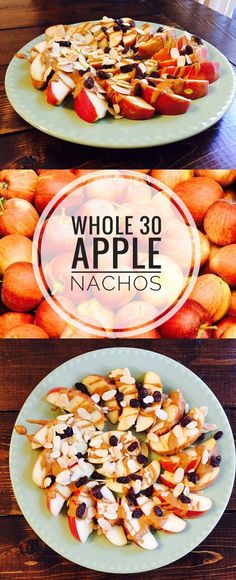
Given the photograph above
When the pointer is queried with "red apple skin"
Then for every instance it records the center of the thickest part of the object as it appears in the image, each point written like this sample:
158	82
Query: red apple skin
223	325
84	107
18	217
232	308
189	88
198	194
171	104
169	465
26	331
9	320
188	322
222	264
206	71
50	181
220	222
20	183
49	320
51	99
230	332
129	111
73	528
20	291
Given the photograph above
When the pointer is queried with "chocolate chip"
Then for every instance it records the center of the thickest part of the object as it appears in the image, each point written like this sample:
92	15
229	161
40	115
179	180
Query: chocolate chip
157	395
157	510
184	498
135	477
134	403
82	388
142	458
97	492
63	43
218	435
185	421
119	396
193	477
131	496
113	441
124	479
215	460
67	433
80	510
155	74
126	68
132	446
89	83
137	513
81	481
103	75
149	491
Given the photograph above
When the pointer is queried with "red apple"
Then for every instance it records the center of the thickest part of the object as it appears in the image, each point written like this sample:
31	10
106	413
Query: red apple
18	216
223	325
9	320
20	291
224	177
136	314
191	321
212	293
50	182
59	87
48	319
223	263
26	331
14	248
220	222
232	308
198	194
230	332
18	183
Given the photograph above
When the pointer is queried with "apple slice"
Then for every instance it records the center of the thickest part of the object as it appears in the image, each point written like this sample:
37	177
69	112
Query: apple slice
41	468
39	438
38	48
199	505
74	401
171	413
89	106
171	104
173	524
59	87
98	385
137	529
147	416
135	108
81	512
209	71
148	49
37	71
56	496
179	437
189	88
129	38
116	536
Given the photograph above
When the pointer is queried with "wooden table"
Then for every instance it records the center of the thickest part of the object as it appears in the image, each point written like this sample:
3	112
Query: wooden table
23	364
22	146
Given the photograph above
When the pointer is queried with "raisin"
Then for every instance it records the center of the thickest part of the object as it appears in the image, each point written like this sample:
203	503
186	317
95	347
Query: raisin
218	435
134	403
103	75
135	477
197	39
171	77
188	49
142	393
82	388
124	479
139	74
160	29
158	511
142	458
155	74
143	405
126	68
119	522
113	441
64	43
81	481
67	433
116	27
185	421
97	492
96	475
131	496
107	49
215	460
137	513
193	477
119	396
104	29
79	455
132	446
107	65
125	49
201	437
157	395
148	492
89	83
138	90
184	498
151	83
80	510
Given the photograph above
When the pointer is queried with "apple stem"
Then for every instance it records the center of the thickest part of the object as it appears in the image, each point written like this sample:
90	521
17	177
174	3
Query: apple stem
2	201
3	185
210	327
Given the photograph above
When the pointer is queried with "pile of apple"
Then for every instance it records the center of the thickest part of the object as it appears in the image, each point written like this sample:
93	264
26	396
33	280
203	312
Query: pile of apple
209	312
118	67
108	480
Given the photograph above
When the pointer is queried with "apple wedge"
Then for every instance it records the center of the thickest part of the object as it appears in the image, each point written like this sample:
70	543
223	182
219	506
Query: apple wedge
137	529
143	479
209	71
73	401
81	512
127	391
89	106
104	389
190	88
147	416
56	496
37	71
107	510
116	451
129	38
41	468
171	104
171	412
135	108
116	536
59	87
179	437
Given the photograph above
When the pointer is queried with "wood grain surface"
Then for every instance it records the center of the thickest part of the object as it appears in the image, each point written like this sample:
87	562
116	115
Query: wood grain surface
23	364
22	146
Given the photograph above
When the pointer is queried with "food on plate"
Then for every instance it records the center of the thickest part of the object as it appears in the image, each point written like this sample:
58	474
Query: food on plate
118	67
113	482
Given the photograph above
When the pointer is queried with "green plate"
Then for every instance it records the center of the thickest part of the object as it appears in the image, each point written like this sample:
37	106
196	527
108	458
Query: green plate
63	123
98	553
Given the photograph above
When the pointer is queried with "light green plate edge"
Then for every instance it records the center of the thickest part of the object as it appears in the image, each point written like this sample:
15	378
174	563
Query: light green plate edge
97	553
63	123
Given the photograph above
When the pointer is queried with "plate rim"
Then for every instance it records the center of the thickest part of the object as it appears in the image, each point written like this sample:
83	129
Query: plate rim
88	142
168	361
